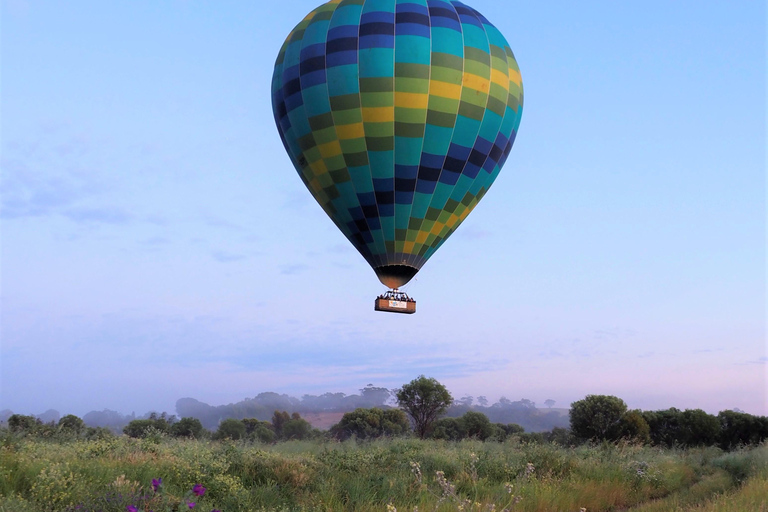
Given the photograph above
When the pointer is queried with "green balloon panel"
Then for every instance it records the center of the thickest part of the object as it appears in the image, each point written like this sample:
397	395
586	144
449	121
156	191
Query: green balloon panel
398	116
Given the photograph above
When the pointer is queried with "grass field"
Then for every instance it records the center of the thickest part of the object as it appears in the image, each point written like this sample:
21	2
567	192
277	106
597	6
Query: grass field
399	474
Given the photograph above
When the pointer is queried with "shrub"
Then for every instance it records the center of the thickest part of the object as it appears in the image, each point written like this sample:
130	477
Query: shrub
371	423
230	429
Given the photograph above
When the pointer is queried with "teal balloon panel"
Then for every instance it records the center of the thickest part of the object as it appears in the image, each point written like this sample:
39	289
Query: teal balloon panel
398	116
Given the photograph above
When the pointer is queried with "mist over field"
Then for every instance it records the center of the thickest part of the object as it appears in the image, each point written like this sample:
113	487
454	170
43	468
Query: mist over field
321	410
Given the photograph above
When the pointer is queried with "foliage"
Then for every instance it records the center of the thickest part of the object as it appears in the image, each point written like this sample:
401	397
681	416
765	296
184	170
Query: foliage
187	427
72	424
633	427
473	425
424	399
40	475
738	428
23	424
597	417
230	429
371	423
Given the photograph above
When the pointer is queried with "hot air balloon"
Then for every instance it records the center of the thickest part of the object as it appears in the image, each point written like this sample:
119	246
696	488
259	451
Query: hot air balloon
398	116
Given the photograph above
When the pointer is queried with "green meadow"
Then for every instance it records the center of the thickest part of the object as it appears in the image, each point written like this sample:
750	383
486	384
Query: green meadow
115	474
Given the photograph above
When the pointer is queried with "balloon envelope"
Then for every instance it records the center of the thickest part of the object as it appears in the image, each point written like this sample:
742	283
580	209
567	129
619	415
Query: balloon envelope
398	116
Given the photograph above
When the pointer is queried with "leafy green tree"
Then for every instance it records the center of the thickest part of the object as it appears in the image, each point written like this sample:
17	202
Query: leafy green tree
263	432
230	428
697	428
71	424
477	425
424	399
371	423
664	426
559	436
297	428
24	424
279	419
187	427
155	424
450	429
97	433
138	428
373	396
633	427
472	424
740	428
503	431
597	417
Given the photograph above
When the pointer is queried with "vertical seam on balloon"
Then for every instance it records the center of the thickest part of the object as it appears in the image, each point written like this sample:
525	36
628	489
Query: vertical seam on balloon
335	129
382	259
394	146
329	201
506	110
413	257
479	129
453	131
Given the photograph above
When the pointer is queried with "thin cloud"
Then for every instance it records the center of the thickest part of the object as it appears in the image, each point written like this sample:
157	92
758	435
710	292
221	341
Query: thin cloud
94	215
226	257
292	270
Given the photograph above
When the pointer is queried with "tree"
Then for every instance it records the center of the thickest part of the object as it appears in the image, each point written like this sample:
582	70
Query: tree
698	428
633	427
296	428
23	423
375	397
597	417
549	402
71	424
187	427
231	428
739	428
371	423
477	425
279	419
424	399
664	426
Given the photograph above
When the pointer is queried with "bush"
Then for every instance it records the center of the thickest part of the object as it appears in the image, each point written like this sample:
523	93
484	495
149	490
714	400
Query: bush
371	423
597	417
187	427
71	424
20	423
230	429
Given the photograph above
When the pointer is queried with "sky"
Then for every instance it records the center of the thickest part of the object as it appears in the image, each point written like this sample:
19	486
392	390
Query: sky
158	244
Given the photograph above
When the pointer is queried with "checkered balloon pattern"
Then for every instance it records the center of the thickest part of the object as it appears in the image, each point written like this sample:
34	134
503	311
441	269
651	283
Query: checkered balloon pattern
398	116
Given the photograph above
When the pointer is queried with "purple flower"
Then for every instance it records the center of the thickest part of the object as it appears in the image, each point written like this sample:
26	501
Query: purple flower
131	508
198	490
156	483
191	504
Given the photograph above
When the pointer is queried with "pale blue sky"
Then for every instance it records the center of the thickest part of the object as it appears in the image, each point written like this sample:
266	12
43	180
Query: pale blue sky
157	243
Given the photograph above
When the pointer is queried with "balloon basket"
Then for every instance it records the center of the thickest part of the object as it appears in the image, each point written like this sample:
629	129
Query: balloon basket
395	301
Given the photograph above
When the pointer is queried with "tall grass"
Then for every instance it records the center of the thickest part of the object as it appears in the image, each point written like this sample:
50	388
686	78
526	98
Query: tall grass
401	474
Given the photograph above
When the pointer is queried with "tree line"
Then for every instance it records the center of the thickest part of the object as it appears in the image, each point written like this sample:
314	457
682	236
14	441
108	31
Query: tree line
422	410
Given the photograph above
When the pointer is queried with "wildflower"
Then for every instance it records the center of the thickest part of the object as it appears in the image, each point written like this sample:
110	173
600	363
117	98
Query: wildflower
391	508
156	483
131	508
416	470
198	490
508	488
191	504
530	469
